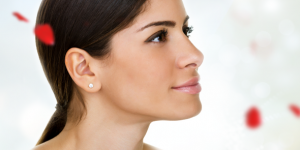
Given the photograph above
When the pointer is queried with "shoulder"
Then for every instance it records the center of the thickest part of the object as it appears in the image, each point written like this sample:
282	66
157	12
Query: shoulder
48	146
150	147
41	147
44	146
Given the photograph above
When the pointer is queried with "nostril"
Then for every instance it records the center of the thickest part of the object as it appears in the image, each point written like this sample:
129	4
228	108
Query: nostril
194	65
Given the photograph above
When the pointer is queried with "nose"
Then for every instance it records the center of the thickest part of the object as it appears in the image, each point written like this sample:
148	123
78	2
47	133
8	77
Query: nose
189	56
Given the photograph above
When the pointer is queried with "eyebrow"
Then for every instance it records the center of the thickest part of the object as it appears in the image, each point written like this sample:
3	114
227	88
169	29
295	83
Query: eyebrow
163	23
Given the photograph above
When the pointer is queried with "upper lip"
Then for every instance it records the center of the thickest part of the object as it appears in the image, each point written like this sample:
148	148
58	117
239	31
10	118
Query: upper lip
190	82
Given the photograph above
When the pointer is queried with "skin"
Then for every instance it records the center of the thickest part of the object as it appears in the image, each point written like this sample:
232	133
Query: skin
133	87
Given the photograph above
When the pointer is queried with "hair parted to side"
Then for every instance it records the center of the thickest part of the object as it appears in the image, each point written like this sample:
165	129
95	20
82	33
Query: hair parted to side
85	24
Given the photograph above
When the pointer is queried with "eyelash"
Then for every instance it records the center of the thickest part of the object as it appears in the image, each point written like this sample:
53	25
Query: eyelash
188	30
160	33
164	33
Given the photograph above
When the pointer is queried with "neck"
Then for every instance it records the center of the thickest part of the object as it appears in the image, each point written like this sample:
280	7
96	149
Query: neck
105	127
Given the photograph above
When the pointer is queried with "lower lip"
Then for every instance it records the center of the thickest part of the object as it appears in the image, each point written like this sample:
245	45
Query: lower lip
194	89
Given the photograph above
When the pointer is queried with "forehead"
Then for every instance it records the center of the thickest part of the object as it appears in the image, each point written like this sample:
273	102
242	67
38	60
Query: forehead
160	10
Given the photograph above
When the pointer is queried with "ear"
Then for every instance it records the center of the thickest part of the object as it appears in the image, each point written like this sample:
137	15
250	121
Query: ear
78	64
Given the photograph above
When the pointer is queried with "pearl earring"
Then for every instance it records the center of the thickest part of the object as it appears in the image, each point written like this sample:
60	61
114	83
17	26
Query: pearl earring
91	85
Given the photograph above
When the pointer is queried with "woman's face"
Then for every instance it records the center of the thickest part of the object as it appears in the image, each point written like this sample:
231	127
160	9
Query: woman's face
144	68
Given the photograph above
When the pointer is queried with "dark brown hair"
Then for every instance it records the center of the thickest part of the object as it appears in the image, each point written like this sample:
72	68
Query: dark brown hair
85	24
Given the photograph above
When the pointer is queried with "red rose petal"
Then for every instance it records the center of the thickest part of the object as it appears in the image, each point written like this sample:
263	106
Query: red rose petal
44	33
253	119
20	17
295	109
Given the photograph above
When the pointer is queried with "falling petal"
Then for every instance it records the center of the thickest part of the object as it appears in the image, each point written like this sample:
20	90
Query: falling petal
295	109
44	33
20	17
253	119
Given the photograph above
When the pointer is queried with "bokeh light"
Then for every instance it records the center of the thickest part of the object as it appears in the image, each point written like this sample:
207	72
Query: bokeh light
271	6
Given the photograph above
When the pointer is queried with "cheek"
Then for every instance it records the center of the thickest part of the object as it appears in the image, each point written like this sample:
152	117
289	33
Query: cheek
141	84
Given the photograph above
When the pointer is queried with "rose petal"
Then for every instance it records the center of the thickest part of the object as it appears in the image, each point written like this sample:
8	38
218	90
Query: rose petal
45	34
295	109
253	119
20	17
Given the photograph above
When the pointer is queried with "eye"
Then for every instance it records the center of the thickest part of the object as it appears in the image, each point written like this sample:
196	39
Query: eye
187	30
158	37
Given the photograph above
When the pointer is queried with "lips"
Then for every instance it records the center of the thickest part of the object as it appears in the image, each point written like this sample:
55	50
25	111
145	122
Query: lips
191	82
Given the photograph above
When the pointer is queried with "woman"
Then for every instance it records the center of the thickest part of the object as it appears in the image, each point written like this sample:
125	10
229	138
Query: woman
116	67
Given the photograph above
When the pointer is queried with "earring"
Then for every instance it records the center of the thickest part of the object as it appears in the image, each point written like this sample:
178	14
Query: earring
91	85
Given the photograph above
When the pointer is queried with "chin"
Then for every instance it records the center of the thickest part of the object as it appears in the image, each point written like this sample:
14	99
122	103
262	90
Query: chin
186	113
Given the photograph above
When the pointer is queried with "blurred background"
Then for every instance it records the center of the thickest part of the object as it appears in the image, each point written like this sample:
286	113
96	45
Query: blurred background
251	59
